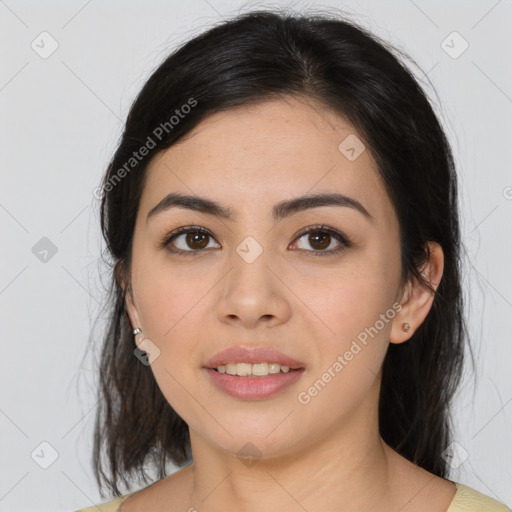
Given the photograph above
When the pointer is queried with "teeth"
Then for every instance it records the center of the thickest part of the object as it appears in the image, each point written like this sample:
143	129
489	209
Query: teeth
248	369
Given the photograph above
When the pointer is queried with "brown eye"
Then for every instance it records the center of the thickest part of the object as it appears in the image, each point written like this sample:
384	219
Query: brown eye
190	240
320	239
196	240
193	240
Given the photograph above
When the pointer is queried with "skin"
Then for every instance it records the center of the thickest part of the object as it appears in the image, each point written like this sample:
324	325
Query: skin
326	455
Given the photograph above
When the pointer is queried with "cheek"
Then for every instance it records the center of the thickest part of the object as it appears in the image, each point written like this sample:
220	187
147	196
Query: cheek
350	315
171	312
348	300
171	300
351	342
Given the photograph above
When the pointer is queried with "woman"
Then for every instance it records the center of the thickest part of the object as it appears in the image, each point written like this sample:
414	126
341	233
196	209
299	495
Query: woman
287	314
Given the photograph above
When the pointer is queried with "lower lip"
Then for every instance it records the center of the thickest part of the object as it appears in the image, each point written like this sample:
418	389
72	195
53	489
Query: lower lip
253	388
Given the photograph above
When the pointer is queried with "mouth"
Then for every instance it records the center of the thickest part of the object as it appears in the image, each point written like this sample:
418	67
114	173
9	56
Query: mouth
254	370
253	387
250	372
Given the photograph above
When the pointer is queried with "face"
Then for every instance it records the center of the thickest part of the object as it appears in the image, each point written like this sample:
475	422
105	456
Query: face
264	279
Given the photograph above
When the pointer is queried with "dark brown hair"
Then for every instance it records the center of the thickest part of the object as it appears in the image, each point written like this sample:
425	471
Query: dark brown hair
255	57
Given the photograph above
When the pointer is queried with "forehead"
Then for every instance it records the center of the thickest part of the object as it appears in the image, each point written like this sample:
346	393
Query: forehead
259	154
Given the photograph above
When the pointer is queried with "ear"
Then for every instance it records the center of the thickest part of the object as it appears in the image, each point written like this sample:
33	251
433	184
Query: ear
131	309
417	298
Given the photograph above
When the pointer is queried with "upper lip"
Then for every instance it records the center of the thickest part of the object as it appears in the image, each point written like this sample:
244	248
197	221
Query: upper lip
244	354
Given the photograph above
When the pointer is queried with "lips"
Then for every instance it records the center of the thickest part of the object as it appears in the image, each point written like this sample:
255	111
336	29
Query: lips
253	388
244	354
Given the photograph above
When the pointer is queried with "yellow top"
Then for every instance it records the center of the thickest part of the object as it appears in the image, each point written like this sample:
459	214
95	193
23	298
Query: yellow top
466	499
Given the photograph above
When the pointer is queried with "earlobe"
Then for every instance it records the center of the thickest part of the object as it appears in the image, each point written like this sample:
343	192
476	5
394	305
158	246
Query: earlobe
131	310
135	322
403	326
417	298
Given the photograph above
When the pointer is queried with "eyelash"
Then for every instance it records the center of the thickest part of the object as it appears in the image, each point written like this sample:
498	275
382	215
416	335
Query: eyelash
340	237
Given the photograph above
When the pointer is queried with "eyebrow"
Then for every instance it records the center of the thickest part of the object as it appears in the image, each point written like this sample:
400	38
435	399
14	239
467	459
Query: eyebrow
279	211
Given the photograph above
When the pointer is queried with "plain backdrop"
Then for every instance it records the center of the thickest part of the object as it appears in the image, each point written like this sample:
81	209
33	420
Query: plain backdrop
61	117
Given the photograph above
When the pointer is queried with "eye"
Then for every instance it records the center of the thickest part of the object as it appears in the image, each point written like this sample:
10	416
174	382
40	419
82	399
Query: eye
193	240
321	237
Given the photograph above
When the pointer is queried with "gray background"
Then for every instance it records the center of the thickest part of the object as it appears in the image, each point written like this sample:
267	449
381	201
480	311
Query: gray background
61	117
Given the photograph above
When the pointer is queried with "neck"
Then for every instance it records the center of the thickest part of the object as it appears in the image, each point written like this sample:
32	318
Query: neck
348	469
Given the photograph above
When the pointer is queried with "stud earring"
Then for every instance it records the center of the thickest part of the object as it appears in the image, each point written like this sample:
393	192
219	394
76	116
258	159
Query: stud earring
405	327
142	343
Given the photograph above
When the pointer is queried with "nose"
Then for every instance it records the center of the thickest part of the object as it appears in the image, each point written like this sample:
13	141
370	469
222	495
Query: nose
254	293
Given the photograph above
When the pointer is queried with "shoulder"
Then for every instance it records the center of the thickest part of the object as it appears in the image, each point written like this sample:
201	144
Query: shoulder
467	499
173	484
109	506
